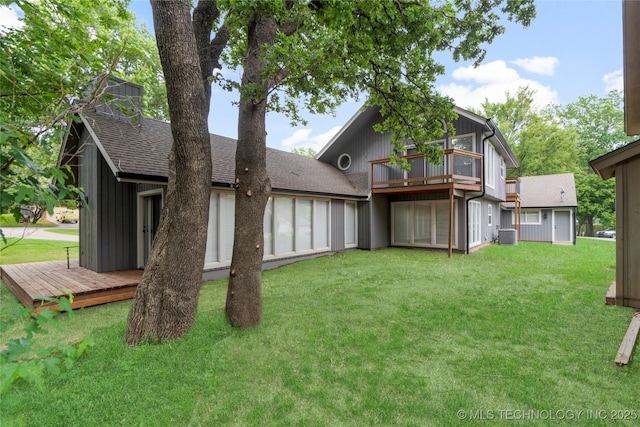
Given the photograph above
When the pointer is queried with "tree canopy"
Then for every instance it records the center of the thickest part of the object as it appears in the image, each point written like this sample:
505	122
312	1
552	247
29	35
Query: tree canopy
314	53
559	139
541	143
46	65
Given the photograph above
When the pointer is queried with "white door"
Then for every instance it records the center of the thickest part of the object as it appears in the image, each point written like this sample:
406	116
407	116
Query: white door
562	226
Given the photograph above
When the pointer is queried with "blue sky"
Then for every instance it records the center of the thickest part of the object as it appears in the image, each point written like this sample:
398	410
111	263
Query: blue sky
573	48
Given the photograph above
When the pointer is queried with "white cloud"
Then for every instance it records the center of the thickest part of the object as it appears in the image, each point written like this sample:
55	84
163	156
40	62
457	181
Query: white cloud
613	81
9	19
302	138
544	65
298	136
491	72
492	81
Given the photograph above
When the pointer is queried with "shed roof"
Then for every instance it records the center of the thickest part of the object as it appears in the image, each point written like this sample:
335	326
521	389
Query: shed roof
140	153
548	191
605	165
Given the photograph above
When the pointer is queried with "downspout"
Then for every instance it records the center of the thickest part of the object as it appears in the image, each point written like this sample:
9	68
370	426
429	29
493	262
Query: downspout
484	181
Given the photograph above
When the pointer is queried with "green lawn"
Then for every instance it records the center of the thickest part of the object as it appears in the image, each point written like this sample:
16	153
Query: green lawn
34	250
69	231
8	220
391	337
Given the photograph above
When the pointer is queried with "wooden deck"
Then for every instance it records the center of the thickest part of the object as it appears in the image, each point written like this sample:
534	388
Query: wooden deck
31	281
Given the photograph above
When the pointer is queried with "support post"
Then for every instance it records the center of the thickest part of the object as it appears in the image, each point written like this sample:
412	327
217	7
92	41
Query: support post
451	199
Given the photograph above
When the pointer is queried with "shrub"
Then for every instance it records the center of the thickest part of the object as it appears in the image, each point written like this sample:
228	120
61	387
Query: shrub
22	357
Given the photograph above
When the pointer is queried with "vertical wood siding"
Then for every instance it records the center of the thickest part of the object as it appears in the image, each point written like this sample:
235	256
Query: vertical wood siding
88	180
337	225
628	233
117	214
380	221
108	222
364	225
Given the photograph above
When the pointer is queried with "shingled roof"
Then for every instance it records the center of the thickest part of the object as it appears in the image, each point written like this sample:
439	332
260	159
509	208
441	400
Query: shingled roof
548	191
140	152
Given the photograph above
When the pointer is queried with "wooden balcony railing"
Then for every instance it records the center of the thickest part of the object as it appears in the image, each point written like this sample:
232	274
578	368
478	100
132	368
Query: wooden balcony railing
513	189
459	169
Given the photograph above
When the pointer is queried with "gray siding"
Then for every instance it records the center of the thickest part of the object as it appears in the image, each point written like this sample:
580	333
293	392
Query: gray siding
108	223
532	233
500	190
628	233
88	180
126	102
148	187
364	225
380	221
363	144
337	225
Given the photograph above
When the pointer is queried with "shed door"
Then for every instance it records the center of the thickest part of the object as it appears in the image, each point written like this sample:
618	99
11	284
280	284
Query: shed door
150	220
562	227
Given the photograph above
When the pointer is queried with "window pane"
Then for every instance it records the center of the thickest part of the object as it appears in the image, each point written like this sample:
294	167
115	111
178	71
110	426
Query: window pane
321	224
212	234
463	165
442	224
350	223
284	224
268	227
226	225
422	223
401	223
303	224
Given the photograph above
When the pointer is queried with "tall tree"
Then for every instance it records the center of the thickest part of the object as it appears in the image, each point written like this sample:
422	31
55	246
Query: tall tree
166	299
317	52
599	123
47	64
512	115
323	52
542	144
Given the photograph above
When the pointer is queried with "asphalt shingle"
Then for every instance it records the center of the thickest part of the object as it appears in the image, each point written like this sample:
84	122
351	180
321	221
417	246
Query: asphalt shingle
143	150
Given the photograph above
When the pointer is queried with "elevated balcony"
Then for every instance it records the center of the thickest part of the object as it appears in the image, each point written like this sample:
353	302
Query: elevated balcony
513	189
459	170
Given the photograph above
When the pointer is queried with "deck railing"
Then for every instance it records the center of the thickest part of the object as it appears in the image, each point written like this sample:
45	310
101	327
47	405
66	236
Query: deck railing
457	167
513	189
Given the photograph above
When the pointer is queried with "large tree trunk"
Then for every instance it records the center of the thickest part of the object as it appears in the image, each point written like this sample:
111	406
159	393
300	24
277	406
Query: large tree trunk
166	299
244	295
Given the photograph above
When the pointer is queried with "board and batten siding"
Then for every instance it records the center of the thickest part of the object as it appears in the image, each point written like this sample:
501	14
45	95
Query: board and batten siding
108	222
379	221
542	232
628	233
337	225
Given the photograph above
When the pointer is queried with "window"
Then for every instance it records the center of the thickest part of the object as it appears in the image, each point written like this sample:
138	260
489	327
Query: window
321	224
475	209
350	224
502	168
463	165
530	217
422	223
490	214
291	225
284	224
304	207
267	226
344	162
490	173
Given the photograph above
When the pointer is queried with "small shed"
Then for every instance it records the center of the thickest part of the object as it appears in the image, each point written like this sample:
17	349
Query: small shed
548	209
624	165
